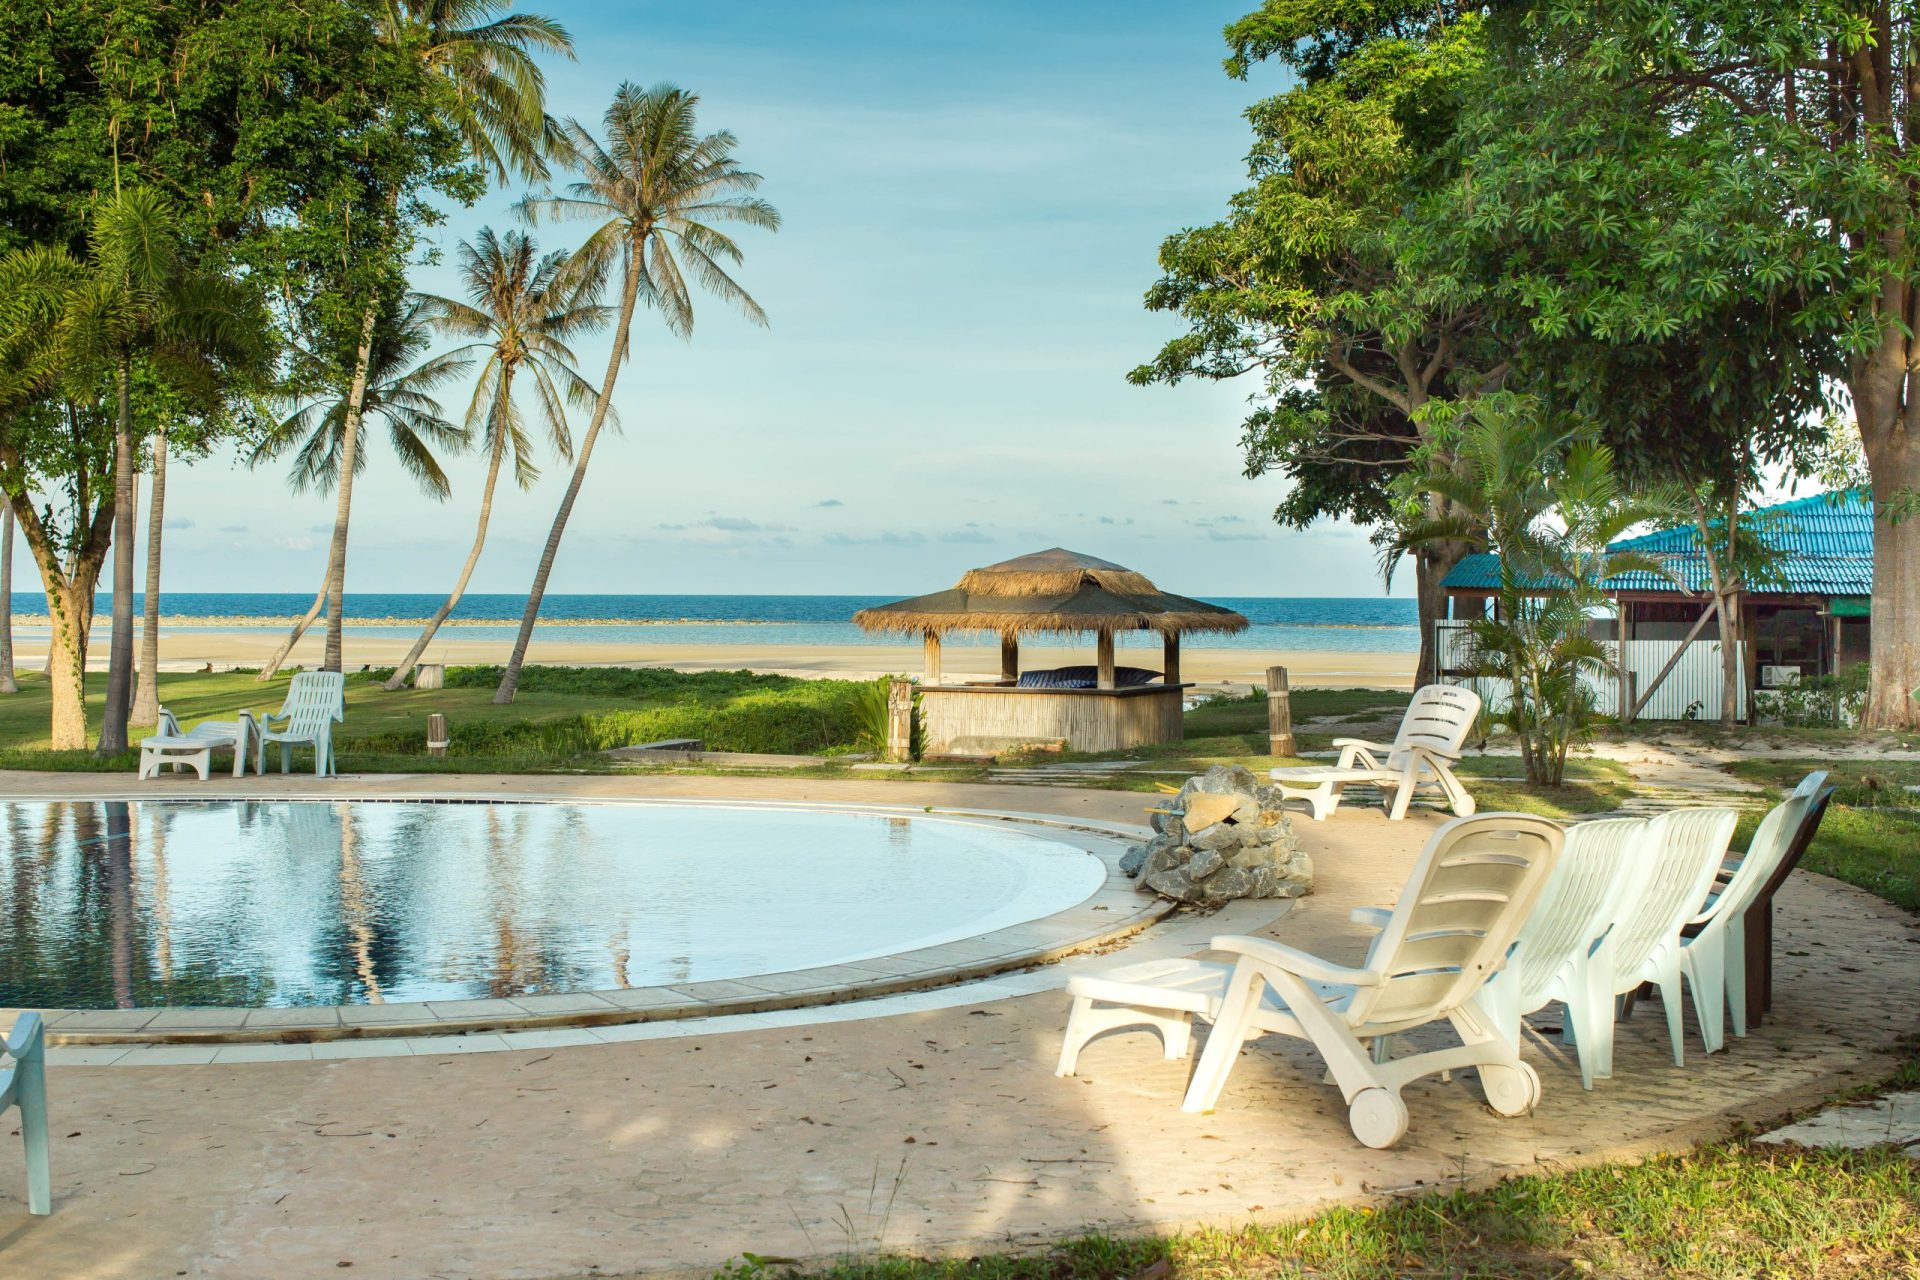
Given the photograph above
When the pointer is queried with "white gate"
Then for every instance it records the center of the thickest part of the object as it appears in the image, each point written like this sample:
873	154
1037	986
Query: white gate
1691	690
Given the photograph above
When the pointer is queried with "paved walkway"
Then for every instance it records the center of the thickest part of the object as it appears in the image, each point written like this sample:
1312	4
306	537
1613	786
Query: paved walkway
942	1128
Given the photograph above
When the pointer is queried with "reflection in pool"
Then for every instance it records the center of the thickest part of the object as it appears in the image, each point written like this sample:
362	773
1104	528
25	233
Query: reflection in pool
118	904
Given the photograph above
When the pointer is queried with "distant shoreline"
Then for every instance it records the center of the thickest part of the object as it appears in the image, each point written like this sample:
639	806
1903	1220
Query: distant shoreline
226	621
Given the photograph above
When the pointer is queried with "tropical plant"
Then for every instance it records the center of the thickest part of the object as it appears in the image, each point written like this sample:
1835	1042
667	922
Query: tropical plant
658	188
492	95
326	434
8	684
1551	504
522	311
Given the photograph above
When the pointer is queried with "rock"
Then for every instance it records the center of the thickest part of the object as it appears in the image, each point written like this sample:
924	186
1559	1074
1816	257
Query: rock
1253	853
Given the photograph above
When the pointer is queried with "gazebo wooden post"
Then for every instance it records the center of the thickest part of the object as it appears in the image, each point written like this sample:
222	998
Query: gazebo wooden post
1105	650
933	657
1009	656
1170	658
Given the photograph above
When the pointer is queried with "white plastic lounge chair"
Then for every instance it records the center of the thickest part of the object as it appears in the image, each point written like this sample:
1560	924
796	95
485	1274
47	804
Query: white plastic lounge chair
1593	886
23	1084
175	748
1673	863
1713	953
1422	754
1462	906
315	699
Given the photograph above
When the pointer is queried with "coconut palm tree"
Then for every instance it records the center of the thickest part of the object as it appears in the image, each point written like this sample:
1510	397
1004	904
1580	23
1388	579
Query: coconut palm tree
7	682
658	189
497	104
522	310
326	435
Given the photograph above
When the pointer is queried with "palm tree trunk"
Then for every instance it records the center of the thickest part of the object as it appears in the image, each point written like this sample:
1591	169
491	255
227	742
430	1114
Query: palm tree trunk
146	693
343	493
7	683
510	678
113	721
272	668
406	666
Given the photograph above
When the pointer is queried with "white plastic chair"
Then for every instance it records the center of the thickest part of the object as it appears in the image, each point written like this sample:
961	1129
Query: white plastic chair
23	1084
1673	864
1713	952
1462	906
315	700
1422	754
1595	883
175	748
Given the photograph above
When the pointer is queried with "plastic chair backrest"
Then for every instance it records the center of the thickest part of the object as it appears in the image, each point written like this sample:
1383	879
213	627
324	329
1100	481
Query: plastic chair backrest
1818	796
1462	907
1770	846
1587	892
1439	718
1675	860
314	700
310	689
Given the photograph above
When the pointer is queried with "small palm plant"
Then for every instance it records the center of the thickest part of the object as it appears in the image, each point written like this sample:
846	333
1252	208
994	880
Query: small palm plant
1550	503
521	312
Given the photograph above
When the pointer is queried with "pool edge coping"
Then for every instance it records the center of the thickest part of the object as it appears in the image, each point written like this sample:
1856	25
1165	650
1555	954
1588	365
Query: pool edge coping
898	973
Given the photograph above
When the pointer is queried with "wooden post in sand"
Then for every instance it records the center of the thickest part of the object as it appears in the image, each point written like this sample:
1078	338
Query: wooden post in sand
899	721
1279	713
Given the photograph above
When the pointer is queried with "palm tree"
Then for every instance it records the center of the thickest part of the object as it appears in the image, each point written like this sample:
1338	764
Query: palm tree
8	684
657	187
522	310
497	104
326	435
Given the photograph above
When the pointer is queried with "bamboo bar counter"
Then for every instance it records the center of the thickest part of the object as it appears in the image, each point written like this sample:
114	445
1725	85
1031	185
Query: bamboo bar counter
1104	707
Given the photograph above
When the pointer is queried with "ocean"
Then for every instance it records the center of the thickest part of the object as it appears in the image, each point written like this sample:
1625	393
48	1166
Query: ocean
1370	624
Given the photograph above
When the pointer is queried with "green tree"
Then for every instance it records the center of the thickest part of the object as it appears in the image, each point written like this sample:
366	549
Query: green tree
522	311
658	189
326	436
1789	134
1550	502
1306	283
466	68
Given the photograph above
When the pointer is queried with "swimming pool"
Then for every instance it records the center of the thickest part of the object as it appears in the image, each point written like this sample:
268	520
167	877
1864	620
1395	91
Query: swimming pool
144	903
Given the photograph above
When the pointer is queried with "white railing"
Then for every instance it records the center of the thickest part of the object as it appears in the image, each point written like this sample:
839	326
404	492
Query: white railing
1691	691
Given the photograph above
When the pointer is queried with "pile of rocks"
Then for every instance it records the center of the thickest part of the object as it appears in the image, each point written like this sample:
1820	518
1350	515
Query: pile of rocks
1248	851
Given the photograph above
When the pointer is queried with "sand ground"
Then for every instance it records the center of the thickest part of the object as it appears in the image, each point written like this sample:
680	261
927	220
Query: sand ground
1218	668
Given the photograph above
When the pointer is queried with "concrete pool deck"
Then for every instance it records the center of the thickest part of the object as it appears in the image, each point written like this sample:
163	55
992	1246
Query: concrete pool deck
923	1122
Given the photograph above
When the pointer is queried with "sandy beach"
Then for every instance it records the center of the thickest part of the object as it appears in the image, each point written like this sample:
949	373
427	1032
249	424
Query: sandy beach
1215	668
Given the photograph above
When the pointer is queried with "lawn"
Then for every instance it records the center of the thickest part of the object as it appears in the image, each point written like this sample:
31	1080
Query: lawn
562	718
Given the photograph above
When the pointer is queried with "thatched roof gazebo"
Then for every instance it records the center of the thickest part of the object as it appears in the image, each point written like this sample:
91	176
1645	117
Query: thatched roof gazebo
1057	592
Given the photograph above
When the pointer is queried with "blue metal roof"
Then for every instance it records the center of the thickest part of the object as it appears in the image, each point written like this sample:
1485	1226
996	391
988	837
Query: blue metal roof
1827	540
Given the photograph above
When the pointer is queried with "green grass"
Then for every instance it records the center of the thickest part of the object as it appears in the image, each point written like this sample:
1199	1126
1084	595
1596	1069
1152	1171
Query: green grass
562	717
1728	1210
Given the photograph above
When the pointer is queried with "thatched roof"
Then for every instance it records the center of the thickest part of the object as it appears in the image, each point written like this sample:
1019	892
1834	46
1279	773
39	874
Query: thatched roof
1055	590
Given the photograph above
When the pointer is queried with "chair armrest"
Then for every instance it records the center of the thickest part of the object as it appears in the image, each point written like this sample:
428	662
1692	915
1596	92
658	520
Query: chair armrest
1417	754
1352	749
1363	744
167	723
25	1037
1371	917
1299	963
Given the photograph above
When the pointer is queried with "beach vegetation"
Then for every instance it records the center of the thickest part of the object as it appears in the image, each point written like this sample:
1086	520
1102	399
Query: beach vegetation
659	192
520	312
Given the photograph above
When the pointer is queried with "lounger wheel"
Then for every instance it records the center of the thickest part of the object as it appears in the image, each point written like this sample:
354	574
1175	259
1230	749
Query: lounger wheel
1378	1117
1511	1091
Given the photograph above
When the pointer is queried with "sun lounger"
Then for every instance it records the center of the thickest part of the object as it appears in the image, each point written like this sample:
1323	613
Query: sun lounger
315	700
1423	753
175	748
1462	907
23	1084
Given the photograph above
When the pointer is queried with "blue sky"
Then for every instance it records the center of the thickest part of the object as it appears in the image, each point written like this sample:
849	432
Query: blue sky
973	196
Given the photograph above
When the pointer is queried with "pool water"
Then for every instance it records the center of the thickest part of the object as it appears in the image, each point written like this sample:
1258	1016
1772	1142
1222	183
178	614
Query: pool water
131	904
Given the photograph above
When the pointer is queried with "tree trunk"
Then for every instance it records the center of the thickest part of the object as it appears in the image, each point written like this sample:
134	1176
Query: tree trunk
630	292
272	668
1891	702
113	721
70	611
343	493
7	682
146	694
1432	564
400	672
